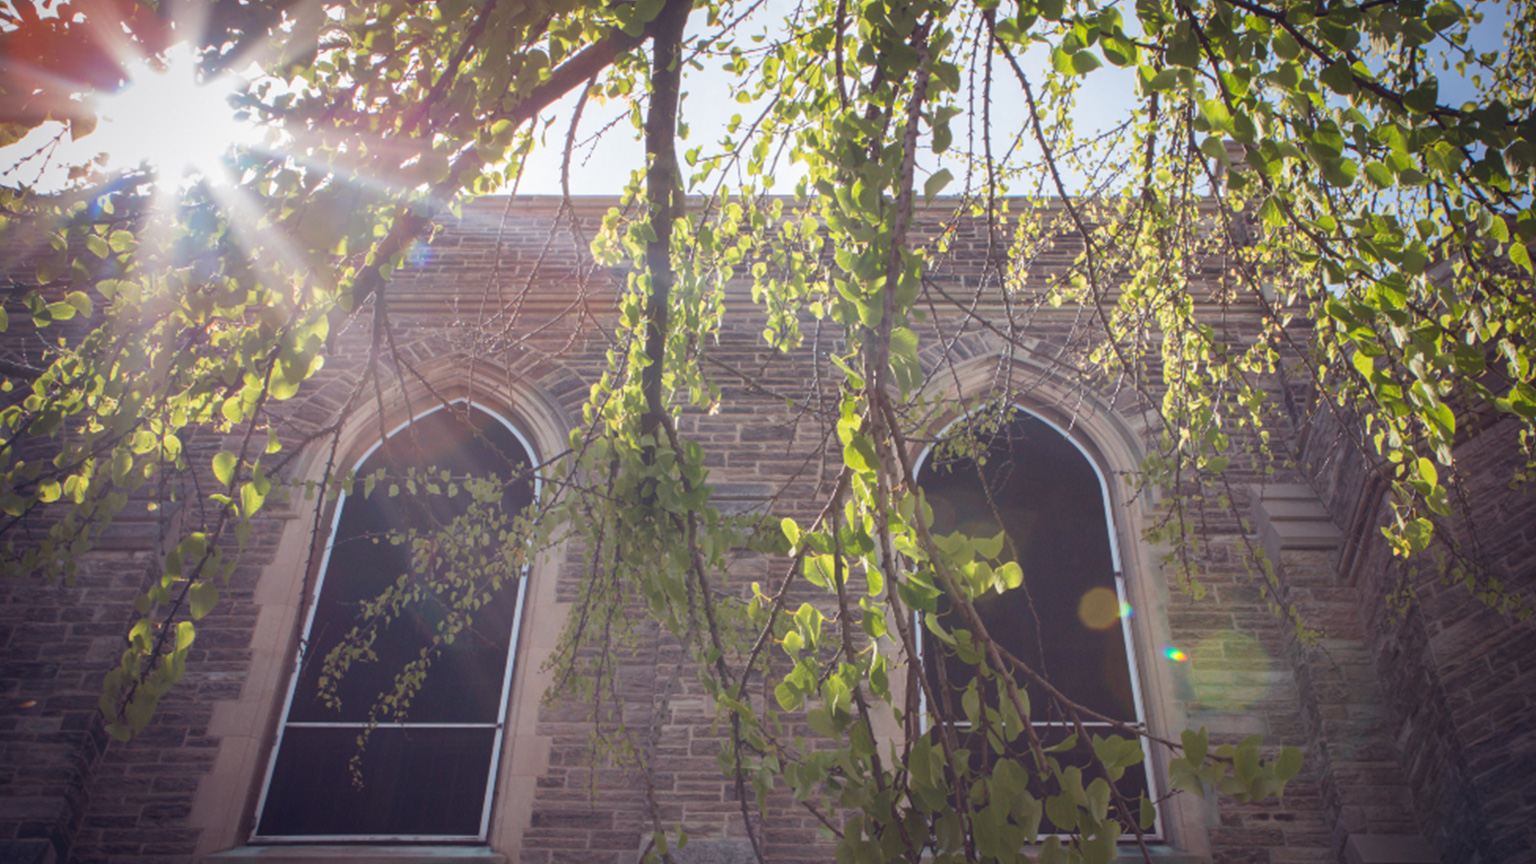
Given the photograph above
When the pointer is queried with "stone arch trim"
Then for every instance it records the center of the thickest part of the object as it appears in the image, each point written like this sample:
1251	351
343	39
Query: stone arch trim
538	399
981	366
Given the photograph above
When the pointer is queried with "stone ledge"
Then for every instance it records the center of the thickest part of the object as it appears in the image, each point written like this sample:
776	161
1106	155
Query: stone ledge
1157	854
1127	853
739	851
34	851
1289	516
1294	509
1306	535
1389	849
356	854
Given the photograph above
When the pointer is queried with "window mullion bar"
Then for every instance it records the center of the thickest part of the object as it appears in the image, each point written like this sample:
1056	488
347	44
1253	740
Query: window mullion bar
324	724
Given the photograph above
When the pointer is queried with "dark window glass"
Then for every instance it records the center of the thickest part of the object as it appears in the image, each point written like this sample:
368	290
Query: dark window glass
1038	488
416	782
416	779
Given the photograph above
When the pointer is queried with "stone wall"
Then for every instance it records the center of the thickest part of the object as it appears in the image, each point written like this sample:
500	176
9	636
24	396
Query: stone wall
1413	724
1457	678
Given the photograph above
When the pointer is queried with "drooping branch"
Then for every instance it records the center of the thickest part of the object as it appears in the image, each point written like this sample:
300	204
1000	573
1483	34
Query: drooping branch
664	199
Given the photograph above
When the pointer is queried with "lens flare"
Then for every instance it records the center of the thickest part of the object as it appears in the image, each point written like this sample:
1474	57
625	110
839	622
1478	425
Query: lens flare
167	117
1175	654
1099	609
1231	671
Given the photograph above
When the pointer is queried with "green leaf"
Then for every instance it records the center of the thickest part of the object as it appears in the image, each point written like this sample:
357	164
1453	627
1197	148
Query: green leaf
1417	534
1163	80
820	721
871	310
970	703
1186	778
1060	810
1287	764
1215	113
1148	814
1425	97
1340	78
1183	49
1098	798
251	499
855	380
936	182
1195	744
788	697
791	531
1084	62
989	547
793	643
1285	45
1427	472
859	453
202	596
1064	745
80	301
1062	61
1521	256
1339	172
224	467
875	579
81	126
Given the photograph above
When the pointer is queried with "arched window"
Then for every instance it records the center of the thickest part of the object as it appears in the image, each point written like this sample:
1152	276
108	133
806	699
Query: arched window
1069	620
428	775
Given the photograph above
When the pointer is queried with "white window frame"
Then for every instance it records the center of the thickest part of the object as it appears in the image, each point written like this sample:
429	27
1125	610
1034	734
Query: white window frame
499	725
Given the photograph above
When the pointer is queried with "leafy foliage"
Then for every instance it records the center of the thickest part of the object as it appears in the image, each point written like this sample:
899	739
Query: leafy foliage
1379	235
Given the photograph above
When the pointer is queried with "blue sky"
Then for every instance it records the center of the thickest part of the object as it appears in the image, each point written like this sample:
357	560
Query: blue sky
603	168
1108	95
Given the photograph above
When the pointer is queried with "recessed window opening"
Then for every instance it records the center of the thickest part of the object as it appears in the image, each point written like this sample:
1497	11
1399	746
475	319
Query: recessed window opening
426	776
1069	620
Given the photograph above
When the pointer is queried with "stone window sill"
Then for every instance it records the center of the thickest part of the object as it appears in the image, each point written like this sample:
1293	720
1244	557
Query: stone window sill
1128	854
1158	854
357	854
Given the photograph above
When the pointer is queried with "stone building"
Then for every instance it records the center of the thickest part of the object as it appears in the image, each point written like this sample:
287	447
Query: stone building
1418	727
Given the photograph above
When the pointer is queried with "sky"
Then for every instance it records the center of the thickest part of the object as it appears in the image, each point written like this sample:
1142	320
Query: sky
156	114
710	103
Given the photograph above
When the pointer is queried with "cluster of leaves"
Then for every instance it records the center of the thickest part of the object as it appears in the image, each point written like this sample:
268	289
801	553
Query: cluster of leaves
881	796
1367	239
178	344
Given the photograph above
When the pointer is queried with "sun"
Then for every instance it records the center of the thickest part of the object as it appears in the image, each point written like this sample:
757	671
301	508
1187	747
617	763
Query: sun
181	126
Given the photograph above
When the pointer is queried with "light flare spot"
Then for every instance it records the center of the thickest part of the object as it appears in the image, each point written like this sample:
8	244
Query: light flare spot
1231	671
1099	609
